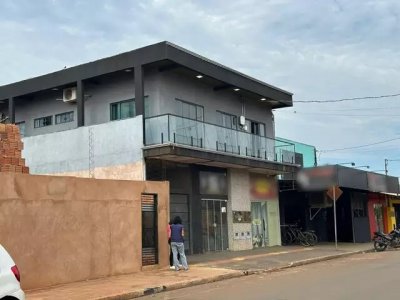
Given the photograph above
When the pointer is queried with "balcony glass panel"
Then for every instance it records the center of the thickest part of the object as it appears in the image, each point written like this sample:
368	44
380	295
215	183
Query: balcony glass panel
166	129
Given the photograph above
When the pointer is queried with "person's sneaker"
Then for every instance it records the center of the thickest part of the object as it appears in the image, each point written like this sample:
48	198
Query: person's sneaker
177	269
179	265
187	269
172	268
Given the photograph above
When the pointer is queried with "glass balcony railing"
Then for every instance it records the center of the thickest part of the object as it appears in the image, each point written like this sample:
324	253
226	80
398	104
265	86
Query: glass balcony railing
166	129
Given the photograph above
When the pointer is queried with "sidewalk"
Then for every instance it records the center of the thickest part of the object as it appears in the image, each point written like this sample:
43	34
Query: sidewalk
204	268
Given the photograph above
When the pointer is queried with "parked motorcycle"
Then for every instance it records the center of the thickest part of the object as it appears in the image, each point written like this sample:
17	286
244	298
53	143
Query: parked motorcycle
382	241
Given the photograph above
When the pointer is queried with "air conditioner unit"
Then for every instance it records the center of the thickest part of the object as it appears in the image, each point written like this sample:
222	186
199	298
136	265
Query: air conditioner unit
69	95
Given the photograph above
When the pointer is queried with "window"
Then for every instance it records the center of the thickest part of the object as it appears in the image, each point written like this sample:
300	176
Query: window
189	110
123	110
359	209
21	126
43	122
255	127
227	120
149	109
65	117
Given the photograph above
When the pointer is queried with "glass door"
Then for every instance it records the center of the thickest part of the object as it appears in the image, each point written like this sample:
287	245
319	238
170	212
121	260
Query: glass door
215	225
259	224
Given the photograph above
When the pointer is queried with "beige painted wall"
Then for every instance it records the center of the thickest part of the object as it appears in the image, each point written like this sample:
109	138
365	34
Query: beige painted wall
133	171
65	229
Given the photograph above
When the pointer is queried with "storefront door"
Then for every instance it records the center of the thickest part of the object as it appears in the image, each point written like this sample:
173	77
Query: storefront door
259	224
179	206
214	224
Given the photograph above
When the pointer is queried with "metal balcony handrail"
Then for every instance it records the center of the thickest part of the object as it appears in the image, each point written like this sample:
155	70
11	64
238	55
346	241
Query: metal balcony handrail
223	127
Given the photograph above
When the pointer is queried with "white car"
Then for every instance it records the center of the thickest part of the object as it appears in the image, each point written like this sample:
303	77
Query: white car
10	287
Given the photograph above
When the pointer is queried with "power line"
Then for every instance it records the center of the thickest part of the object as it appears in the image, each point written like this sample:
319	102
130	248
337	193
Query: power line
359	109
361	146
343	115
347	99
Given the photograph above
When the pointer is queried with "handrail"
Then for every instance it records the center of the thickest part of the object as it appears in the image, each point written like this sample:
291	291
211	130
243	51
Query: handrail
220	126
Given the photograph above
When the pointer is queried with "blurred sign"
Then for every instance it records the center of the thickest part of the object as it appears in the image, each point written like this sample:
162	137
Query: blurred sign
213	183
334	192
317	179
263	188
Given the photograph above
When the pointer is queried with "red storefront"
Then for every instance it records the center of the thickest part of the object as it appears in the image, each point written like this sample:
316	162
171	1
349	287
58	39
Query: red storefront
377	212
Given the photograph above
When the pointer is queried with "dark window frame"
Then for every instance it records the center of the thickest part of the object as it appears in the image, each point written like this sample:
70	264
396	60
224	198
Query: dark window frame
37	122
192	104
254	121
235	119
119	103
68	113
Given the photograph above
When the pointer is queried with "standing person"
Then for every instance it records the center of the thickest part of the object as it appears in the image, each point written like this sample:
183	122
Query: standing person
171	256
177	234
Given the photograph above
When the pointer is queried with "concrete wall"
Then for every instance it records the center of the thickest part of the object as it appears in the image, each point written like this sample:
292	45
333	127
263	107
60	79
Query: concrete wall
173	85
65	229
44	104
99	94
116	147
239	200
161	89
273	219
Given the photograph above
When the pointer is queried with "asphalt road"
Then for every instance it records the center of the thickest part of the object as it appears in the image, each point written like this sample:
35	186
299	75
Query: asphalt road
360	277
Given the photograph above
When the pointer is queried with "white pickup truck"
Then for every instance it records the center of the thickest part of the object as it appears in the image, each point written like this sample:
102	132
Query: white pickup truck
10	287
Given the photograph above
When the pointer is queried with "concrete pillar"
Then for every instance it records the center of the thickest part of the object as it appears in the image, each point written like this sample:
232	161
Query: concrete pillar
80	100
11	110
139	90
239	200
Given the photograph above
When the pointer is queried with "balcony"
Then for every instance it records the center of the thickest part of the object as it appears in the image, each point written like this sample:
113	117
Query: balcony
171	130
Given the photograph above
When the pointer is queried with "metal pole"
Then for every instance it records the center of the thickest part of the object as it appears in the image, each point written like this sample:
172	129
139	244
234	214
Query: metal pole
386	166
334	215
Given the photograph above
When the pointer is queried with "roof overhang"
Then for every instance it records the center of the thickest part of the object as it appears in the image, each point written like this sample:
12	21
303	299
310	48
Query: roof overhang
144	56
191	155
324	177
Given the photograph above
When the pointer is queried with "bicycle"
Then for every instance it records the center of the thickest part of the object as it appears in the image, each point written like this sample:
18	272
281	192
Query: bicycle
293	234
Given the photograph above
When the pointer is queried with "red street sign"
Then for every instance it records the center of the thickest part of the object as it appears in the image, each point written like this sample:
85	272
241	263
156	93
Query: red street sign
334	190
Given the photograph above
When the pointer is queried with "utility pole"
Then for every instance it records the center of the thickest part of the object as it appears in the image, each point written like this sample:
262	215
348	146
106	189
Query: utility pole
386	166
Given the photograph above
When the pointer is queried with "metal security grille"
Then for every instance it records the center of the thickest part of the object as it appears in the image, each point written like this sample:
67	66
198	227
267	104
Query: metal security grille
149	230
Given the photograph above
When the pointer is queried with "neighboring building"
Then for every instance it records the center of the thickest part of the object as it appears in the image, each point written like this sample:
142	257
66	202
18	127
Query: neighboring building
366	203
164	113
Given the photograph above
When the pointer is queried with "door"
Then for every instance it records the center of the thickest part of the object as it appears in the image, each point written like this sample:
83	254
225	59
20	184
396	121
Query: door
361	232
149	230
397	213
259	224
378	214
179	206
214	224
257	131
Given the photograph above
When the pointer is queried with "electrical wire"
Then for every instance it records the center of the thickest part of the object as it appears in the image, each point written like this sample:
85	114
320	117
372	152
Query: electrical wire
370	108
360	146
347	99
342	115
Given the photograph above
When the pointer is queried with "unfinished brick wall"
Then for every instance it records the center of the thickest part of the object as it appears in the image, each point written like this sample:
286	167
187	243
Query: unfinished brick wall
10	150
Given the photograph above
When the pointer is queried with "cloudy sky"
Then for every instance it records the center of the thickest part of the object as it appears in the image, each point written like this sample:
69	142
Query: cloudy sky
317	49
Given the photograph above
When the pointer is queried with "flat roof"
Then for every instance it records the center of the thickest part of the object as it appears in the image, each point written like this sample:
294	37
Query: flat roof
163	51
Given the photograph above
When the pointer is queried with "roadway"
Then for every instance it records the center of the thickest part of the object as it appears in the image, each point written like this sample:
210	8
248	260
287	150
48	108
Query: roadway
359	277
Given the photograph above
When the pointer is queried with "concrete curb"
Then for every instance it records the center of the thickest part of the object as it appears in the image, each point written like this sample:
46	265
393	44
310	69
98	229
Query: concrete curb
309	261
181	285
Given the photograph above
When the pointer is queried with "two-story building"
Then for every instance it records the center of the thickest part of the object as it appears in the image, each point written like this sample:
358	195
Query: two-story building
164	113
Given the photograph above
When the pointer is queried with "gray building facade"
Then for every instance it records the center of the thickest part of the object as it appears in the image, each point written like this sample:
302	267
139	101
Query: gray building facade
164	113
